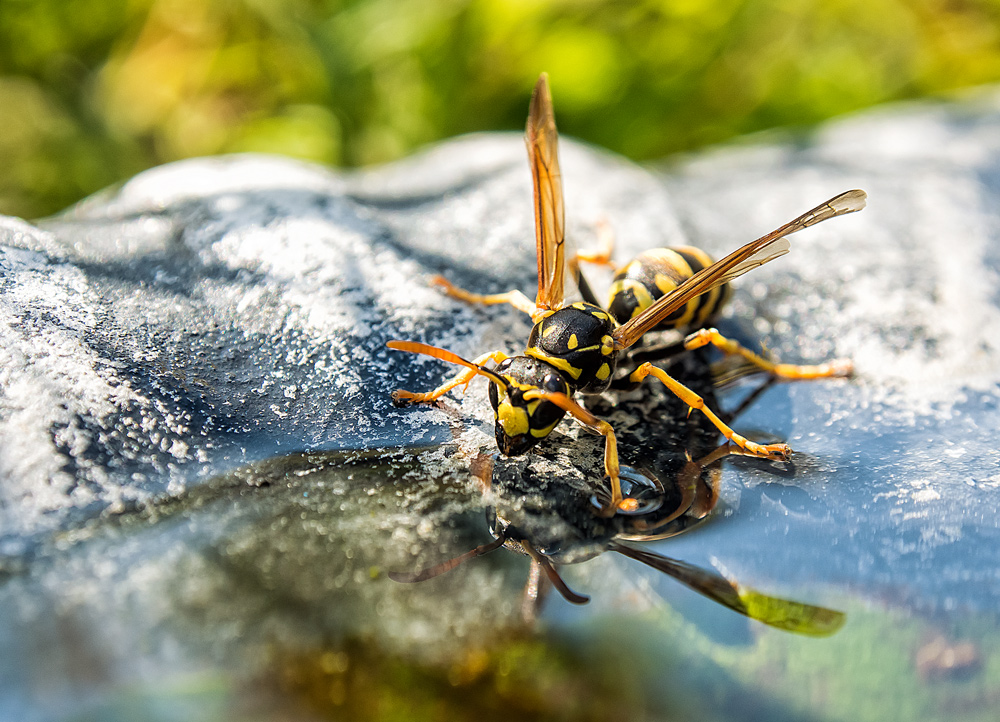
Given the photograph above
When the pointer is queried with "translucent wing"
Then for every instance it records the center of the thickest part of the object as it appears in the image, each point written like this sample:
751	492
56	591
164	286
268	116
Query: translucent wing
550	217
781	613
746	258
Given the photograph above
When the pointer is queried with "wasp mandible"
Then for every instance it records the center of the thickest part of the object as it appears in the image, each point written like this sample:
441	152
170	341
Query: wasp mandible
577	346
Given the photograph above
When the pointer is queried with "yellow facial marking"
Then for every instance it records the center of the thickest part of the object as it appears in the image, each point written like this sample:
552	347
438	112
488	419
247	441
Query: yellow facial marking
513	419
542	433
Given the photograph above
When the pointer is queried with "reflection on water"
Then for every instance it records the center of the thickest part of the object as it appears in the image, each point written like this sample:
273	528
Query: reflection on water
563	528
264	595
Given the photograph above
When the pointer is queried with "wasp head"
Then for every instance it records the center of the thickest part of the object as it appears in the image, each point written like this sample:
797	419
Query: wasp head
523	422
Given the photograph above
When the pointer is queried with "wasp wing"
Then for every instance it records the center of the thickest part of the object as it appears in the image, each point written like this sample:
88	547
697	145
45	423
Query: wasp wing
550	216
781	613
746	258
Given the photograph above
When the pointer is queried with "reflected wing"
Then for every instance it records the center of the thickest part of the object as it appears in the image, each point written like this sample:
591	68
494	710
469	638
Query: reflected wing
781	613
550	218
750	256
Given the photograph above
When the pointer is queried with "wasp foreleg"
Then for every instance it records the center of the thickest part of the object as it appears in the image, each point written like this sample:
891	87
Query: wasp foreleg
611	467
462	377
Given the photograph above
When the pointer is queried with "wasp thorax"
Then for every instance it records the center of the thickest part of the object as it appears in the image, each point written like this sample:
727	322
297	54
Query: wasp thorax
577	340
521	422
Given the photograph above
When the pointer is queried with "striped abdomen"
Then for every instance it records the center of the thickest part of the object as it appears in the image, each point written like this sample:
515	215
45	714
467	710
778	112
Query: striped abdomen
655	273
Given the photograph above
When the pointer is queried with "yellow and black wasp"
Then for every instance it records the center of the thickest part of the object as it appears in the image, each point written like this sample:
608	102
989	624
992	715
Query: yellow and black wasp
577	346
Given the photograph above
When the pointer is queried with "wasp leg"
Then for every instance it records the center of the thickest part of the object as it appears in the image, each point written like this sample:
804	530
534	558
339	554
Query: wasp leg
665	352
515	298
779	452
462	377
586	292
534	593
601	255
553	576
838	367
611	467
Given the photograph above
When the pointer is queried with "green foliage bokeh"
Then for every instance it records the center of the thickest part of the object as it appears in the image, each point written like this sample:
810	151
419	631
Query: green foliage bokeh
92	91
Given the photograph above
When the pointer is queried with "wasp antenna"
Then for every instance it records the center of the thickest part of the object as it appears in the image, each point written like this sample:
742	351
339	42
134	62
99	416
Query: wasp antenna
445	355
447	565
550	571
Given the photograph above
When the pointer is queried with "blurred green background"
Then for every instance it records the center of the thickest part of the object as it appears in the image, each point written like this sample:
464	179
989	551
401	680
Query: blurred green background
92	91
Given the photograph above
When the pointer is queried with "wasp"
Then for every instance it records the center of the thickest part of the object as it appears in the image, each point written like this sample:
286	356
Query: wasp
576	346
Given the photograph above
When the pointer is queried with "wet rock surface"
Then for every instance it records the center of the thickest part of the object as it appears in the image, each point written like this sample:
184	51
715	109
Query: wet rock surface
203	475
